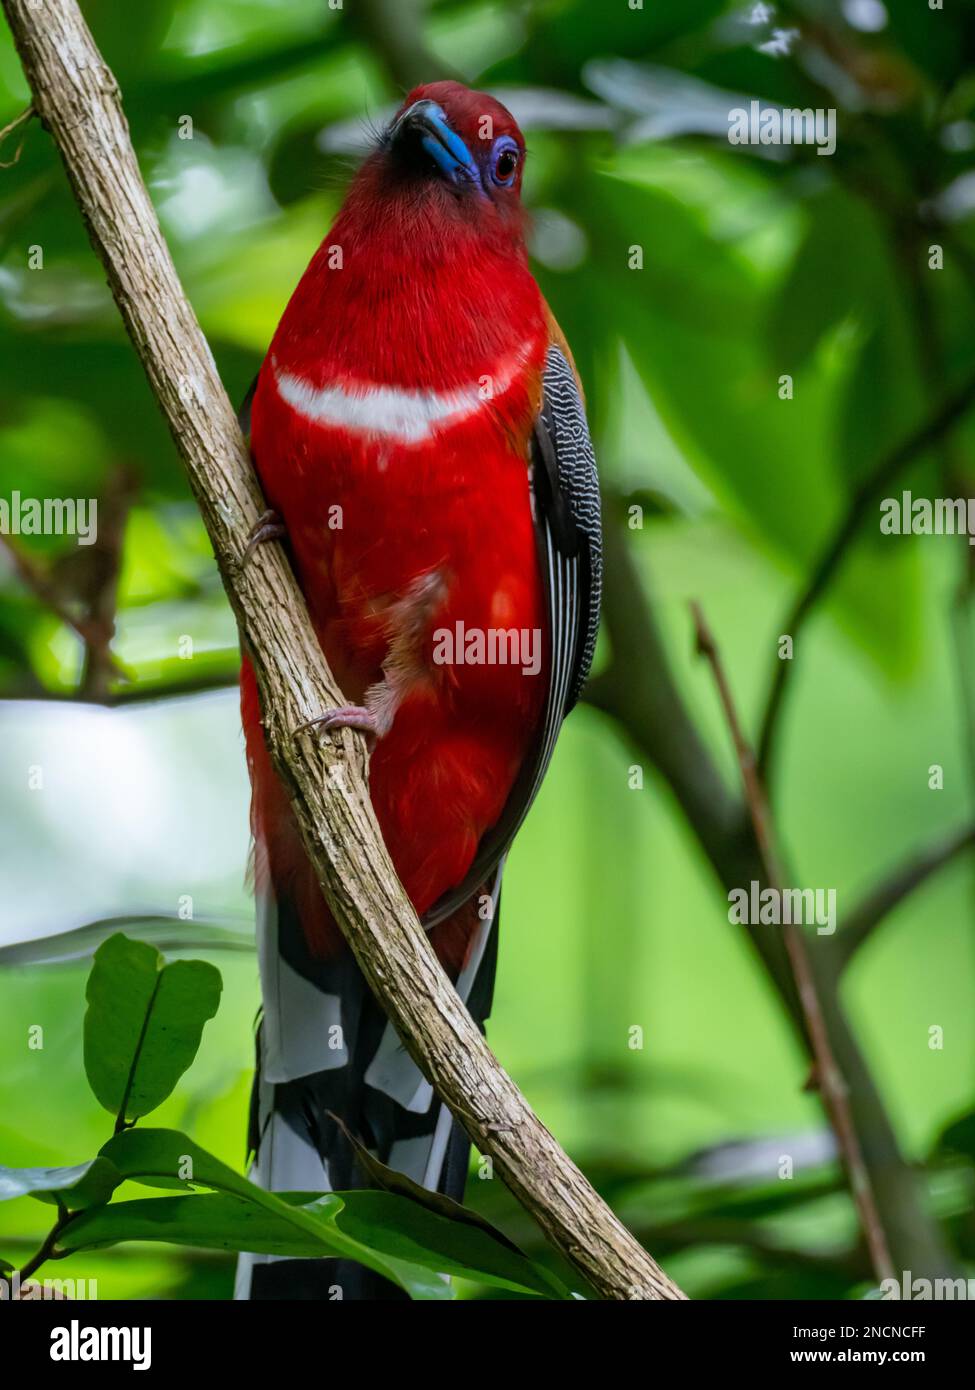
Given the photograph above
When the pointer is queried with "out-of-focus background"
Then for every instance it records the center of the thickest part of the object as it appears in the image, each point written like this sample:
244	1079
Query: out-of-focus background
692	276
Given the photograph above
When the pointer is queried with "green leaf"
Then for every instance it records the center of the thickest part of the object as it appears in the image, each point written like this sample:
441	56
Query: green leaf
402	1228
169	933
832	277
166	1158
81	1185
393	1235
957	1138
391	1180
696	336
438	1203
397	1228
170	1159
144	1023
209	1221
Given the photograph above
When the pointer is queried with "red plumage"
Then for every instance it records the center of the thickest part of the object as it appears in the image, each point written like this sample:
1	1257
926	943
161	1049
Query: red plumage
415	297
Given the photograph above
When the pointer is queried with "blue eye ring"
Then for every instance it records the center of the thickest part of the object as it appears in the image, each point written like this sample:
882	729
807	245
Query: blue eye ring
504	161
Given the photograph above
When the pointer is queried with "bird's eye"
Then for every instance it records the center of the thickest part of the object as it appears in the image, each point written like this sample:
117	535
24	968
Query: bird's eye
505	164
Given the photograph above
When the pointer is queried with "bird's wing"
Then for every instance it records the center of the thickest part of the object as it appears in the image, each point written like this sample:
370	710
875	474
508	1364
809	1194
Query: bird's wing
565	501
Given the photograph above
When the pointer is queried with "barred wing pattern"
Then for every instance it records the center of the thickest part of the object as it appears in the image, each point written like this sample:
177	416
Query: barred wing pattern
565	500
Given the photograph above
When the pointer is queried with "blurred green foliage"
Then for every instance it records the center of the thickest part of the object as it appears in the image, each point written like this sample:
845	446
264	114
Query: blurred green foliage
757	262
143	1027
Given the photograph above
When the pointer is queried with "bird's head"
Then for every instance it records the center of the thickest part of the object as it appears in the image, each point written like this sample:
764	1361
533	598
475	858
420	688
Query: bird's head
460	147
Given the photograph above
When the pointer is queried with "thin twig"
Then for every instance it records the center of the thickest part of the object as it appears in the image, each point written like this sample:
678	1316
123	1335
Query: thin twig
91	632
97	583
8	129
831	1083
929	432
46	1251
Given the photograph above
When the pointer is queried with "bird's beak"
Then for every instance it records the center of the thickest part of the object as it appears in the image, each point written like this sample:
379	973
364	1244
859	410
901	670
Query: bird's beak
424	123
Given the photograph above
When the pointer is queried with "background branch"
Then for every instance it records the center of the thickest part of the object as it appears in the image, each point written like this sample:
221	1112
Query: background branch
94	631
882	900
77	98
929	432
640	692
393	30
830	1081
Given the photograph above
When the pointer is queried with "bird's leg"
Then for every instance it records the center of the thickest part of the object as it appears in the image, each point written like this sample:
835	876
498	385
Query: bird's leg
267	527
346	717
408	619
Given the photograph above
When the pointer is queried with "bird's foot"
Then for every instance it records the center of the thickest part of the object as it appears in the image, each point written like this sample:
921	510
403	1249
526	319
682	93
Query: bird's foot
346	717
267	527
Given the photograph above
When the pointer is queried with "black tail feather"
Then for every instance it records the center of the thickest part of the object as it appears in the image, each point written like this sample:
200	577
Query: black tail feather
293	1133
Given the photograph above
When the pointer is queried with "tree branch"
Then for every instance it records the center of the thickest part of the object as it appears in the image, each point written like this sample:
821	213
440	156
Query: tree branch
77	98
830	1081
929	432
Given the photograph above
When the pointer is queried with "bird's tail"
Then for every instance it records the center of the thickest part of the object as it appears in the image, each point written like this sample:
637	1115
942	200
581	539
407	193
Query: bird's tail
325	1049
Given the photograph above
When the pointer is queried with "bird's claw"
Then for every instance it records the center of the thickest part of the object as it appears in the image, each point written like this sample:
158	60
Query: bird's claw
345	717
267	527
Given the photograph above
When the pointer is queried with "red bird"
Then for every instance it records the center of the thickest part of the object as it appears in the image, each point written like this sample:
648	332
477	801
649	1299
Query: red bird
419	433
